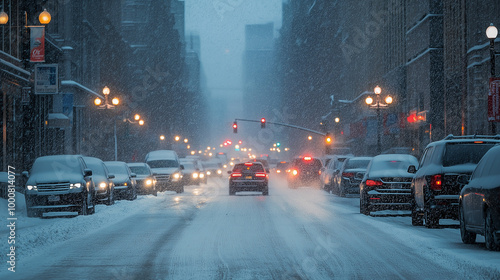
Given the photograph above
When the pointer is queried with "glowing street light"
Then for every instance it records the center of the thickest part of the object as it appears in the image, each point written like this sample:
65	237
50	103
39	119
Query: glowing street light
377	104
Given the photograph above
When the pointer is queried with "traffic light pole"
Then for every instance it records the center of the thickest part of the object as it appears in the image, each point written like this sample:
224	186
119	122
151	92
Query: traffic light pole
286	125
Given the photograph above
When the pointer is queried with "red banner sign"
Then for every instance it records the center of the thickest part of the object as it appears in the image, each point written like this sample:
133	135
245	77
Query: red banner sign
37	44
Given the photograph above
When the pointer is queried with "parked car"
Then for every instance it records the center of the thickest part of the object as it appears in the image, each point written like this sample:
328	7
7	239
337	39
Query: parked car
102	179
146	182
125	183
350	175
330	171
191	172
334	152
305	171
248	176
59	183
386	184
480	202
435	187
166	169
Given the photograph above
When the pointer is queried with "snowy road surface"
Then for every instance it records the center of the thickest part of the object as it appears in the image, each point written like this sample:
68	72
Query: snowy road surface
206	234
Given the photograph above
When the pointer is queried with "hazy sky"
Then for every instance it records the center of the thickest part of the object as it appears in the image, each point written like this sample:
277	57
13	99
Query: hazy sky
221	26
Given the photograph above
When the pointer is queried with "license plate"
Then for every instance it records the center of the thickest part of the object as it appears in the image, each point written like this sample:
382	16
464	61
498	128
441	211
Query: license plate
248	177
54	198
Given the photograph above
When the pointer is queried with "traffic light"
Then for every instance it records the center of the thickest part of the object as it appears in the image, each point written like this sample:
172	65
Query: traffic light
263	123
235	127
328	143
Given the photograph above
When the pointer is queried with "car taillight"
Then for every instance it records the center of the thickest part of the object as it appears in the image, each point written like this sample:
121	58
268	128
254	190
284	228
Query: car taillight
372	183
260	174
295	172
436	182
235	174
347	174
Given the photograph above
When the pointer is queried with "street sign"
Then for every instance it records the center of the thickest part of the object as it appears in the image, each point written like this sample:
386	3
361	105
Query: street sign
494	100
46	79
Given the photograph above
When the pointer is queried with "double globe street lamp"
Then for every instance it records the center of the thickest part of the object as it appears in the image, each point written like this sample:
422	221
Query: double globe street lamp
377	104
493	101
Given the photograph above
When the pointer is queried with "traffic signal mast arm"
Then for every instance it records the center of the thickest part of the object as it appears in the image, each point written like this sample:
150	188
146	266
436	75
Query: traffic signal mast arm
286	125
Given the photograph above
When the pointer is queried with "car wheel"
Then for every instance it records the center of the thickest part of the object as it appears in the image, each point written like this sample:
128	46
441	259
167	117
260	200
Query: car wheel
467	236
180	189
341	191
155	192
231	191
431	221
416	218
111	198
489	231
363	206
83	207
265	191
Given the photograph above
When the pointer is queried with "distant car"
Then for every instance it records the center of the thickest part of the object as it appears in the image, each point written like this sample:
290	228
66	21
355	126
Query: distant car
264	162
146	182
282	167
340	151
102	179
330	172
480	202
386	184
350	175
191	172
435	187
304	171
125	184
213	168
59	183
248	176
166	169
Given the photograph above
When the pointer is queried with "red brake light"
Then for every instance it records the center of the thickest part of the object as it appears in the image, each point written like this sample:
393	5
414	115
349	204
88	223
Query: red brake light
260	174
372	183
478	142
436	182
248	164
235	174
347	174
307	158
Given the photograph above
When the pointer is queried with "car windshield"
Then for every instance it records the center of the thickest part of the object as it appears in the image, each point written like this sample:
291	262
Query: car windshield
464	153
96	168
241	167
56	165
117	168
163	163
139	170
188	165
357	163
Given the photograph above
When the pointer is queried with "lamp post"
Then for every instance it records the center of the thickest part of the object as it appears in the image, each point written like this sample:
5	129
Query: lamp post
106	105
492	33
378	104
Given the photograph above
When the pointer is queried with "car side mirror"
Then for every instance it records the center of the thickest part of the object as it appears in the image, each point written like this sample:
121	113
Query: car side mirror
111	176
182	167
87	173
133	175
463	179
25	174
412	169
229	172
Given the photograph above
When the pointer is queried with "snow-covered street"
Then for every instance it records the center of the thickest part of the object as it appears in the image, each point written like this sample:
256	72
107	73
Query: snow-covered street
206	234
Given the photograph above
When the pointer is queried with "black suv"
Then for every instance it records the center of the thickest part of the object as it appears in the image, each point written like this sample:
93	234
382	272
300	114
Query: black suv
305	171
435	187
248	176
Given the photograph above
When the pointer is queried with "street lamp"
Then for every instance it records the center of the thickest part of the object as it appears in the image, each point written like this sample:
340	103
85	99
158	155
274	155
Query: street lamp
492	33
106	105
377	104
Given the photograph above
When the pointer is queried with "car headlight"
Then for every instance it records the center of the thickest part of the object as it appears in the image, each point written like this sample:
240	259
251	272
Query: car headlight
219	171
225	166
30	187
102	185
202	175
149	182
125	184
195	175
209	173
75	186
177	175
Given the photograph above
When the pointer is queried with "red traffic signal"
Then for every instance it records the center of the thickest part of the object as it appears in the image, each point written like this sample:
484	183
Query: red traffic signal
235	127
263	123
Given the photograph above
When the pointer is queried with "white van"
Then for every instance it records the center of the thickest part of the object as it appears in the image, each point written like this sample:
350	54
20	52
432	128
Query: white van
166	169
